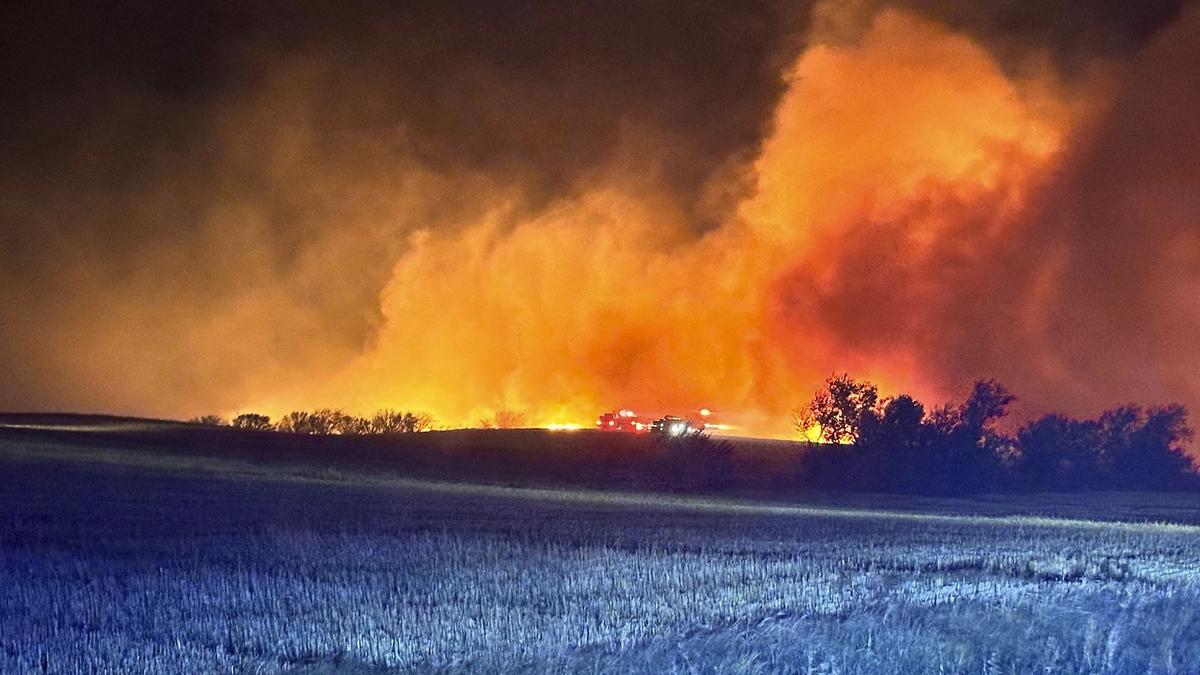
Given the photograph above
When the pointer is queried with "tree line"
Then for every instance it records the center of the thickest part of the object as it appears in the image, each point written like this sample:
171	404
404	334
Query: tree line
867	443
895	445
328	421
336	421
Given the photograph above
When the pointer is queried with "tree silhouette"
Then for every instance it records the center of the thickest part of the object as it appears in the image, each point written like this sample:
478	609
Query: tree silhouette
252	421
349	425
900	422
958	449
416	422
988	402
295	422
1059	453
805	423
892	445
1147	452
966	449
503	419
839	409
387	421
390	421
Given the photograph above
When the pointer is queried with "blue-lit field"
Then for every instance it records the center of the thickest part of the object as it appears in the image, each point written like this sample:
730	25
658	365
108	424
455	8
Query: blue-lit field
109	565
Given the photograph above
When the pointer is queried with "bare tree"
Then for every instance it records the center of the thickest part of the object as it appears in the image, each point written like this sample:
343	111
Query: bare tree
387	421
325	420
295	422
804	421
503	419
209	420
415	422
252	421
390	421
350	425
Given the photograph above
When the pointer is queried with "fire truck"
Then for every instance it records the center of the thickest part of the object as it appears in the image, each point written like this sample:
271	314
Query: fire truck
623	420
671	425
630	422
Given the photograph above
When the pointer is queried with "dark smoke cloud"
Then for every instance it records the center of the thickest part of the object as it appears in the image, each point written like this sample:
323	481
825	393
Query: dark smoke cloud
1073	30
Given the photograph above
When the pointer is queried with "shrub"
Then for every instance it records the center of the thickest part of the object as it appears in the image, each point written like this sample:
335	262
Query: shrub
694	461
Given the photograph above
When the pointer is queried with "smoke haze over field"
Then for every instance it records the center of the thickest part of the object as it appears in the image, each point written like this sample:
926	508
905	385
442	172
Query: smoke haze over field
564	209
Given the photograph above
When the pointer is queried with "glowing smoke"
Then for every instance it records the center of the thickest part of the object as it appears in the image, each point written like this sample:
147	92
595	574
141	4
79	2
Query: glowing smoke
911	138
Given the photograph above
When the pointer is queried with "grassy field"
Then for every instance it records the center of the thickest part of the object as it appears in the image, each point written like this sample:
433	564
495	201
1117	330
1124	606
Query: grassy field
116	559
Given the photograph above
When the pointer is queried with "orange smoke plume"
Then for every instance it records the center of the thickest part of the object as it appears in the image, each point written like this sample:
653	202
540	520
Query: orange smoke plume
909	145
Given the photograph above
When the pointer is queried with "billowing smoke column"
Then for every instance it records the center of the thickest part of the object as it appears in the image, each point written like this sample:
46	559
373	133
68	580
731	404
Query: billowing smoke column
913	203
896	164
